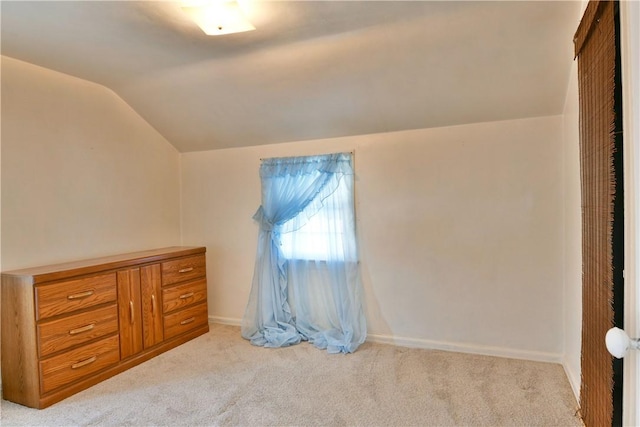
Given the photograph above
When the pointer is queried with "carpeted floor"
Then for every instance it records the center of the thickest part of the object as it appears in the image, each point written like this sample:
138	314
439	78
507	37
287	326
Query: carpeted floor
220	379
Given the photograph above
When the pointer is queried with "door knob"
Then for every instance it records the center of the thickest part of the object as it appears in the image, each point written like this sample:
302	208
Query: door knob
618	342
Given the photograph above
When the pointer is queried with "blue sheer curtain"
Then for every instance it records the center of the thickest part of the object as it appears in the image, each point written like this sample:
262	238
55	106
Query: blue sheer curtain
306	283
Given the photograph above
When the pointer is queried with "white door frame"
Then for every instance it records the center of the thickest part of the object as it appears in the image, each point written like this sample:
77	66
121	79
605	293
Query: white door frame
630	58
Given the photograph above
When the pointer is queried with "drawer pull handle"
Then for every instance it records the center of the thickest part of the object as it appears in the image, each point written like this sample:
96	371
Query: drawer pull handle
187	321
153	305
86	328
185	270
81	295
131	312
84	362
187	295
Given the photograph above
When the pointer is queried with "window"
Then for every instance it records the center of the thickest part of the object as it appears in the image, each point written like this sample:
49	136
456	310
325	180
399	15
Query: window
324	235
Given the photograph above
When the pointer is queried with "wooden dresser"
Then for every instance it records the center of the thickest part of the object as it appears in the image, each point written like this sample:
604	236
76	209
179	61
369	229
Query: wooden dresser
66	327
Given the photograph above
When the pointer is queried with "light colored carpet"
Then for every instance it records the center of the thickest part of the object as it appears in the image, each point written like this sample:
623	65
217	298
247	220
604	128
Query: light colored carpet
220	379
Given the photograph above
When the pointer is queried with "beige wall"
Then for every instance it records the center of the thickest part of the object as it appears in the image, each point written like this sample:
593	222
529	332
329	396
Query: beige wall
460	230
467	233
82	174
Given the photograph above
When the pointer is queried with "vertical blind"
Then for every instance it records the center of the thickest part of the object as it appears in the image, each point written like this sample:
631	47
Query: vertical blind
595	48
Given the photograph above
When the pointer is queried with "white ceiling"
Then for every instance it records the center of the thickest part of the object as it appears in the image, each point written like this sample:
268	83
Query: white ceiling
312	69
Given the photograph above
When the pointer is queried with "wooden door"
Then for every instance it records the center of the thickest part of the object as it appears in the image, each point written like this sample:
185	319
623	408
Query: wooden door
150	284
130	312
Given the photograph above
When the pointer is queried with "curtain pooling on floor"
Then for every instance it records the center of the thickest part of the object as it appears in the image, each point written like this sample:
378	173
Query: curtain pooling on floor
306	283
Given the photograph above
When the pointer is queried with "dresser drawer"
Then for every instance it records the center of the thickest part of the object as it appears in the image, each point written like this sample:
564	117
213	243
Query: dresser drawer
75	364
65	297
177	297
187	319
76	329
183	269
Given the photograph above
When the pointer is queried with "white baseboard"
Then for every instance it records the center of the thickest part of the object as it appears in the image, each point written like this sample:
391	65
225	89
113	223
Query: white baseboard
232	321
574	380
437	345
535	356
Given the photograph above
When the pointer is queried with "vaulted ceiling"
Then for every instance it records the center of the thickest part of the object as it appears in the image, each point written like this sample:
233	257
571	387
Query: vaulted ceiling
311	69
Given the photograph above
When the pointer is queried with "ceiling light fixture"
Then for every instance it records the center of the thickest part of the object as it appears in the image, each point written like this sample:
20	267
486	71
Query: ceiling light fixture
217	17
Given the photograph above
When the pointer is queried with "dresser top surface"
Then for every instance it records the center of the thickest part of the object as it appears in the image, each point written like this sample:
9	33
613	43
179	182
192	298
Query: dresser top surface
64	270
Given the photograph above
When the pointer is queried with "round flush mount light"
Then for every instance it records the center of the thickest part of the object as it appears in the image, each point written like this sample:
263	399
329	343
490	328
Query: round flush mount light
217	17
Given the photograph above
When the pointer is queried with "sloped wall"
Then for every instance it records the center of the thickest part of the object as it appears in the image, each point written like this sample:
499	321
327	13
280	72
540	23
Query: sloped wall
83	175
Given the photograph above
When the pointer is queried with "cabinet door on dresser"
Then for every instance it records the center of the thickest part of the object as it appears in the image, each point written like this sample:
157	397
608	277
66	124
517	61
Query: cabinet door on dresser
130	312
139	309
151	290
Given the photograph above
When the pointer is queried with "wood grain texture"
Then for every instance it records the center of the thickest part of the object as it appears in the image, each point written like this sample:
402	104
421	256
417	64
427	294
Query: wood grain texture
151	288
190	293
63	333
183	269
67	270
184	320
63	369
130	312
20	380
68	296
49	399
54	346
